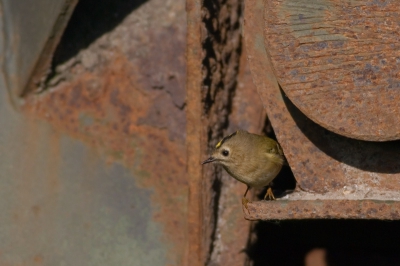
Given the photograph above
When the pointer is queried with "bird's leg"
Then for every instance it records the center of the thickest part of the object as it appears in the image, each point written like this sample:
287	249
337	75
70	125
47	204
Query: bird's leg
244	200
269	194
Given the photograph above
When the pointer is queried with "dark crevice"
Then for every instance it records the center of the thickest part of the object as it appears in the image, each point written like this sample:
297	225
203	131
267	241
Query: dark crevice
346	242
214	45
207	81
216	189
220	67
284	182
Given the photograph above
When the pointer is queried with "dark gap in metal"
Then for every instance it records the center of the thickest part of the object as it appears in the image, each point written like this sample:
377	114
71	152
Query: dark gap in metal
219	86
209	67
346	242
216	189
284	182
210	55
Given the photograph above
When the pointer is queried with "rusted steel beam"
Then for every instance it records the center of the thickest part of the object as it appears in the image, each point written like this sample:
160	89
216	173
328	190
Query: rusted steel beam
213	56
195	136
324	209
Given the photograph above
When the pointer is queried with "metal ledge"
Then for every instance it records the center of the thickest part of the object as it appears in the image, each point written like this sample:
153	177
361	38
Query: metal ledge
283	209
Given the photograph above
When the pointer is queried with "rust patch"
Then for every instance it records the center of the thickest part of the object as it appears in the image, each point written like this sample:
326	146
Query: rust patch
108	119
38	259
36	210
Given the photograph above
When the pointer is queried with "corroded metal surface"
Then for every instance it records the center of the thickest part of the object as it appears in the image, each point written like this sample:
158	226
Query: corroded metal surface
95	168
195	247
338	62
321	161
324	209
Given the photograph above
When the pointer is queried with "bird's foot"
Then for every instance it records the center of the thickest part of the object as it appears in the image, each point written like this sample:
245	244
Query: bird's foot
269	194
244	203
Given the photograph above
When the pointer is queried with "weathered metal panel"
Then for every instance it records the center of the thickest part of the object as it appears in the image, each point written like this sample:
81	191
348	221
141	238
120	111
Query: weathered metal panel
338	62
63	204
93	169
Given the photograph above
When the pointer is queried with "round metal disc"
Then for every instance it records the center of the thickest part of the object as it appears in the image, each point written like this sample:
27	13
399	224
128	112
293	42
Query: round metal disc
338	62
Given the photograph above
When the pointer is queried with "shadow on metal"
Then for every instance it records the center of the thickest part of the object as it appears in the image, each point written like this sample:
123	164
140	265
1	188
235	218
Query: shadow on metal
378	157
90	20
285	181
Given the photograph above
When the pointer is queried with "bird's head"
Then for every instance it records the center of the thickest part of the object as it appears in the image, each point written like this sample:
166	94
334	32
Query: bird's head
225	151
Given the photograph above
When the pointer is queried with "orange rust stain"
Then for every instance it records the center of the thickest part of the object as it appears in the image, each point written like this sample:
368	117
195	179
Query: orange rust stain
38	259
87	225
36	210
109	116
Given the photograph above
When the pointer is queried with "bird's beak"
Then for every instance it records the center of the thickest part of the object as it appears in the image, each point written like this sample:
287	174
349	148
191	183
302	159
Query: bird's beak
209	160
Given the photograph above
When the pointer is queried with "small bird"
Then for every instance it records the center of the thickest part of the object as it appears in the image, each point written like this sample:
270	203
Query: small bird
252	159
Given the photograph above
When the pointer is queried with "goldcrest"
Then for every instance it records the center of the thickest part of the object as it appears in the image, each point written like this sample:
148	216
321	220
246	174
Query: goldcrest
252	159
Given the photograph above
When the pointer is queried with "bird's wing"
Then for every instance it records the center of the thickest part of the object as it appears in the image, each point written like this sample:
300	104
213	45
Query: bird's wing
275	153
276	158
280	151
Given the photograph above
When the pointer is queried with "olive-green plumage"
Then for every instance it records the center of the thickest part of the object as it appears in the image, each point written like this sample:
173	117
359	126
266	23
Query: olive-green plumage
252	159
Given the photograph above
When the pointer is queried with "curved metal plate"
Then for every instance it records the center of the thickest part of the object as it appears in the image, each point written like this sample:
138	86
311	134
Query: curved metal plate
338	62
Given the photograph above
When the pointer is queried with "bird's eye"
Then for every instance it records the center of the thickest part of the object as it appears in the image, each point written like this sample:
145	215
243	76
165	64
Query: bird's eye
225	153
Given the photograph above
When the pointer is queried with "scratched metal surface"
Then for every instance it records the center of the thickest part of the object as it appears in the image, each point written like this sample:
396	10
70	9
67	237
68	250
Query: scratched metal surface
338	62
324	163
93	168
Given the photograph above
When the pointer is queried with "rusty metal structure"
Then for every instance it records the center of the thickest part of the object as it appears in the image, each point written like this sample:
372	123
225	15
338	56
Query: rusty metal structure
326	72
108	108
329	165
